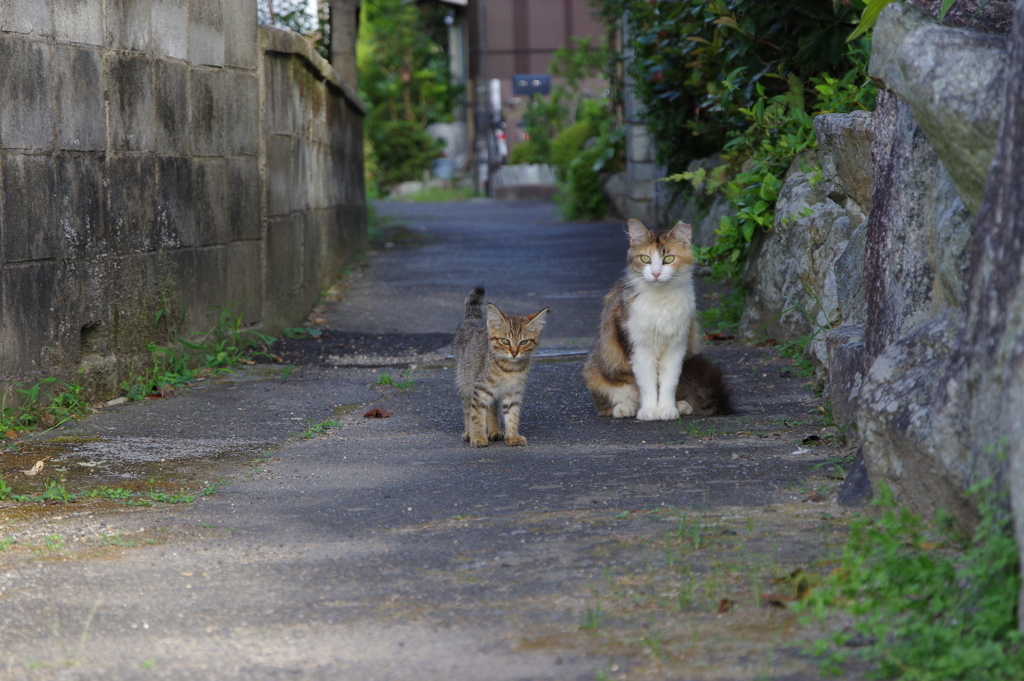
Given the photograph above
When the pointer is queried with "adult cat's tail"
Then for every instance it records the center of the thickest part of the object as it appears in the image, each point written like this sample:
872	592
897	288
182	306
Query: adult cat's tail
474	309
703	386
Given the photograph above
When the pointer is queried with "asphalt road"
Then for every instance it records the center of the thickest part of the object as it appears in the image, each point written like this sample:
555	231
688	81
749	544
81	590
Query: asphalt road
387	548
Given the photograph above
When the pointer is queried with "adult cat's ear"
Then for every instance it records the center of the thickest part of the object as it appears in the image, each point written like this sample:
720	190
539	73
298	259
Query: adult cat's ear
637	232
682	233
495	318
536	320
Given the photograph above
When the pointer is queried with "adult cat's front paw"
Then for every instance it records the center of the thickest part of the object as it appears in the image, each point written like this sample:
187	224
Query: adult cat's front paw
515	440
669	413
478	442
623	411
496	435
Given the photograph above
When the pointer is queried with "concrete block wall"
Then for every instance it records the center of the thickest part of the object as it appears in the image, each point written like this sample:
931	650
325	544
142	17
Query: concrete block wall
163	150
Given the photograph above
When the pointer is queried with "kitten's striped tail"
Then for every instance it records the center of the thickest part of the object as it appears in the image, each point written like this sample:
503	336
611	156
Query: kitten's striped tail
474	310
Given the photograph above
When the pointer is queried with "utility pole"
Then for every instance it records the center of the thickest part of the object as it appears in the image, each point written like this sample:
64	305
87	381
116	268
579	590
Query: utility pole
344	34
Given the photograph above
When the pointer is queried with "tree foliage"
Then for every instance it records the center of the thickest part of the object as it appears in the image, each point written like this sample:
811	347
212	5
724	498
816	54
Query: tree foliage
404	80
697	64
296	15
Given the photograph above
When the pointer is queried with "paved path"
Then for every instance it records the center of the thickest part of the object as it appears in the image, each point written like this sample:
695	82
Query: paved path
386	548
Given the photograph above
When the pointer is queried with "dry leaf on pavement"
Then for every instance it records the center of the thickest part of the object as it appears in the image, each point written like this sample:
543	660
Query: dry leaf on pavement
36	468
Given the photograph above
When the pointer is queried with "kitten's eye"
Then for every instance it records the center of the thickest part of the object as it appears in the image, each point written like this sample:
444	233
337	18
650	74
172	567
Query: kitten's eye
525	341
645	259
668	259
506	341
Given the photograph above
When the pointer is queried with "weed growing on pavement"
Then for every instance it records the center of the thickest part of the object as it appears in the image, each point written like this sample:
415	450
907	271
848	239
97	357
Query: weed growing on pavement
116	540
724	315
592	613
223	347
317	429
385	379
56	491
679	583
50	402
930	603
701	430
54	543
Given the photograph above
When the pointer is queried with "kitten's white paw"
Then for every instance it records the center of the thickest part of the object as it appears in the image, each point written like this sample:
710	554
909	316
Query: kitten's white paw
623	411
684	408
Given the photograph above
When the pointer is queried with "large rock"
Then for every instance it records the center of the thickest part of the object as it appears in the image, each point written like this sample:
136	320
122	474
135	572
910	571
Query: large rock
934	402
805	277
844	143
954	81
792	288
900	443
900	264
844	347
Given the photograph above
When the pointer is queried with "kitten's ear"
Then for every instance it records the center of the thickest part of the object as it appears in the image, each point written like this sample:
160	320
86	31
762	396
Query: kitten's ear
495	318
637	232
682	233
536	320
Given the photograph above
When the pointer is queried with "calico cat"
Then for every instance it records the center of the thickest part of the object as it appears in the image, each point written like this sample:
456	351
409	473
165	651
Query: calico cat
492	359
646	362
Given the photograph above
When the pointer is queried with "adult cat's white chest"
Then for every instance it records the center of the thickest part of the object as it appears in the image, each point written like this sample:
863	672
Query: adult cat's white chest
660	316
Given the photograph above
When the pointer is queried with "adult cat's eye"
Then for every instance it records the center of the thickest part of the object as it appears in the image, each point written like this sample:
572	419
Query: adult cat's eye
668	259
525	341
645	259
506	341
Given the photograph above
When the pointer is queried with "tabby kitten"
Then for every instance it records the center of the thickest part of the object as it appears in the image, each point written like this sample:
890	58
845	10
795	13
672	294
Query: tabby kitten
492	359
646	362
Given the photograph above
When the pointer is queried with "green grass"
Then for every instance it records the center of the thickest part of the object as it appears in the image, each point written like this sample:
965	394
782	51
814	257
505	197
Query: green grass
439	195
51	402
57	491
931	603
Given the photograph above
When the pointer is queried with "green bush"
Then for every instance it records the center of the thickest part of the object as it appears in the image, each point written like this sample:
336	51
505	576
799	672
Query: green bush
698	63
526	152
585	196
568	145
777	129
402	150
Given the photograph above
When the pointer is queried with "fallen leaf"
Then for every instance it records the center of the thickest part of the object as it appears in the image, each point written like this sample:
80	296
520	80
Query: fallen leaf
720	336
12	434
36	468
165	390
185	574
377	413
725	605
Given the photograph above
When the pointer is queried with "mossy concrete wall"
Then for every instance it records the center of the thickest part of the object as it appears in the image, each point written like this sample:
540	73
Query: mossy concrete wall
163	153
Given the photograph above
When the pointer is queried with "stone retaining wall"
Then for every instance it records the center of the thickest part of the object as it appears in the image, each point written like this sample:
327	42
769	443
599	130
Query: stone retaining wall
163	154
